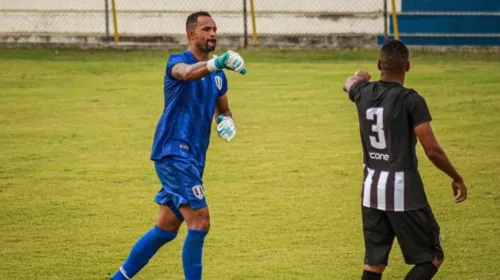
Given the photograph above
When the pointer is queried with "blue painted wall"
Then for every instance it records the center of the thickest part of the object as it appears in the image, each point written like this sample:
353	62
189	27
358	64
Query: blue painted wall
456	24
451	5
445	41
465	29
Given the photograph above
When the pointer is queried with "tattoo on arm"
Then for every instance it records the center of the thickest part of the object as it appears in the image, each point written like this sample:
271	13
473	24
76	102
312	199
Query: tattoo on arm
190	72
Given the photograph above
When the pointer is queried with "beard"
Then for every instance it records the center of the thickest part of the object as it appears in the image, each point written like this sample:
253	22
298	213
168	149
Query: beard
210	48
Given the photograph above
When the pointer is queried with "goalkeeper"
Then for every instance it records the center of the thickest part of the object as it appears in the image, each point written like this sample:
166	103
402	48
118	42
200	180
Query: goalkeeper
195	91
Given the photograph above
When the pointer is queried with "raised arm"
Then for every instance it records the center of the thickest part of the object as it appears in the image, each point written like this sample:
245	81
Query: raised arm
190	72
358	76
438	157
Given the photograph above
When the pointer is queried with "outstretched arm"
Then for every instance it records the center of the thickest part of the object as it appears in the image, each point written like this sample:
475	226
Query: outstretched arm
190	72
438	157
358	76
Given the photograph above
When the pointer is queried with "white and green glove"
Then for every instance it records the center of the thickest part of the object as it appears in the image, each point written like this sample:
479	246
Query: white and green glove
225	127
228	60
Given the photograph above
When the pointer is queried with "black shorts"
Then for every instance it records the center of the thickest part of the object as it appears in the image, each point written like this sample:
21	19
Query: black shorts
417	232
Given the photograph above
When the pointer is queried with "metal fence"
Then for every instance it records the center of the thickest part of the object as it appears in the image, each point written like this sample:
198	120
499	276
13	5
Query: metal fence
422	22
164	17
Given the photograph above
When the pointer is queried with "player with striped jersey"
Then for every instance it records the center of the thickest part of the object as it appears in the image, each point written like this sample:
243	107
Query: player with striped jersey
394	205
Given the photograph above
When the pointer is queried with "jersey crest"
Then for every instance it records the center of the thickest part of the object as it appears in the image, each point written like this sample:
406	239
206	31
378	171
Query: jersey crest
218	82
198	191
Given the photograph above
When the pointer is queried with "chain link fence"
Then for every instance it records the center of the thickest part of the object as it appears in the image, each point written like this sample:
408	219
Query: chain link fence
320	17
164	17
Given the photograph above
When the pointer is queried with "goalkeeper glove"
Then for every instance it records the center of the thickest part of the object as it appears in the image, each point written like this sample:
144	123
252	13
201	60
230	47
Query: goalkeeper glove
228	60
225	127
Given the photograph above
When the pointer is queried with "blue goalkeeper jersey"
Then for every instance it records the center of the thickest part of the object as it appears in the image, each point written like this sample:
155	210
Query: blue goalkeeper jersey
185	124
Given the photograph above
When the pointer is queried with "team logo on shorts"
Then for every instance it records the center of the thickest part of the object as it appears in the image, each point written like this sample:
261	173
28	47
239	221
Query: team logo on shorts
218	82
198	191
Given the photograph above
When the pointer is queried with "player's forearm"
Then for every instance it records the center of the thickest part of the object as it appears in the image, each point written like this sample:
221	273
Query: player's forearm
441	161
227	113
358	76
191	72
362	76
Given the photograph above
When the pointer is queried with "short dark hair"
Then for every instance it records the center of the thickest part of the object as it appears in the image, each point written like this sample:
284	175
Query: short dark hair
393	56
192	19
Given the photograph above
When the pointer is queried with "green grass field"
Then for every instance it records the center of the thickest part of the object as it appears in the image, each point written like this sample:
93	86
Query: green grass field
77	186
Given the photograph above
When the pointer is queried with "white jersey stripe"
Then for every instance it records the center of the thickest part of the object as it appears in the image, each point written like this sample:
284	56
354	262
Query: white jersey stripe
381	187
399	191
367	188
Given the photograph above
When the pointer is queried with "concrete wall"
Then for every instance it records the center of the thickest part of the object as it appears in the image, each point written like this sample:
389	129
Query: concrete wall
280	23
155	17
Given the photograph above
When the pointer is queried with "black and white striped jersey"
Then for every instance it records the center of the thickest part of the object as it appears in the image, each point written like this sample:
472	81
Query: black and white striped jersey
388	113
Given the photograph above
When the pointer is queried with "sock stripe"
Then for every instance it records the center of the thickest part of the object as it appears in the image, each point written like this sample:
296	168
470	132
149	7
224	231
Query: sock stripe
124	273
144	249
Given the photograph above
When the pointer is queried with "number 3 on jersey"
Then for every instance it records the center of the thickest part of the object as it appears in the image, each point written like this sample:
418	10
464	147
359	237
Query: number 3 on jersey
377	114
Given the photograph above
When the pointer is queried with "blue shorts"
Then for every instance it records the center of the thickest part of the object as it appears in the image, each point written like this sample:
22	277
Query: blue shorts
182	184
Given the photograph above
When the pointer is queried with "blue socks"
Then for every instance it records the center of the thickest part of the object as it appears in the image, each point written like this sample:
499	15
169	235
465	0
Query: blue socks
192	252
143	251
152	241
